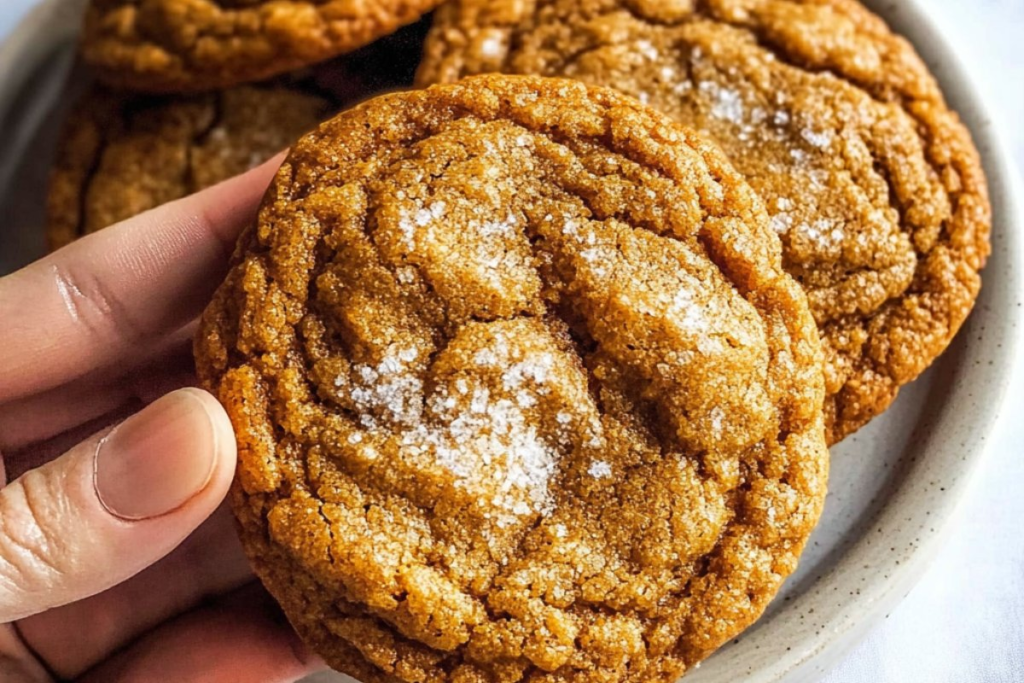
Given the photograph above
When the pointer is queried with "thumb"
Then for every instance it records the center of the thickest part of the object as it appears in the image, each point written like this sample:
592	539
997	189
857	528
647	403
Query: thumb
114	504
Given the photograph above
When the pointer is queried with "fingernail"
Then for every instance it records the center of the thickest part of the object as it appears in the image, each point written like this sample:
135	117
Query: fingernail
157	460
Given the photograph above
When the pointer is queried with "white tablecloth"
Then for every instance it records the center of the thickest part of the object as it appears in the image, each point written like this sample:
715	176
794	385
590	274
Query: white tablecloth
964	623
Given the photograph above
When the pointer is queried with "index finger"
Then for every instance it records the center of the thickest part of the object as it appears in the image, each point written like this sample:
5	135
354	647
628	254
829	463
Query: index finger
99	299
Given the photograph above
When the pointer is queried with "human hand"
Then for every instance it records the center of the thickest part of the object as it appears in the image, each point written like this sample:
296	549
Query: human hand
118	561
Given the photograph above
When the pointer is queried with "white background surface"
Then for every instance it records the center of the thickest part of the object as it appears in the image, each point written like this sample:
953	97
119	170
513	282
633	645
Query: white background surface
964	622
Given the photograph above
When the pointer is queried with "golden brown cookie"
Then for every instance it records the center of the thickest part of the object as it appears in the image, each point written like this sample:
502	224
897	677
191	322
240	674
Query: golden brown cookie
521	389
168	46
121	155
873	184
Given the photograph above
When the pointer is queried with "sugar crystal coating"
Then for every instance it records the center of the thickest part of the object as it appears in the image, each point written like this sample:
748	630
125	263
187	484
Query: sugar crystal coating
521	389
874	186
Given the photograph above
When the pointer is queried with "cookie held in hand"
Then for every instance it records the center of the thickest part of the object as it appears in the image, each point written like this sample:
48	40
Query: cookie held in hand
520	386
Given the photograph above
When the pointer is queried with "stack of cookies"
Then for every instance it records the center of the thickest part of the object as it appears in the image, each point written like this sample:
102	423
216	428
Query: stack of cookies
179	108
534	369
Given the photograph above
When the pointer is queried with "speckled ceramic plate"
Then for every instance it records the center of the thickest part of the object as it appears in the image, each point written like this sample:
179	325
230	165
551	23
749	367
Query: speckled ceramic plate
894	485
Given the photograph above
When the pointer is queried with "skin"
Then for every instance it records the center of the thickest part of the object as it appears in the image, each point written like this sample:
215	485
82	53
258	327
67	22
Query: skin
94	333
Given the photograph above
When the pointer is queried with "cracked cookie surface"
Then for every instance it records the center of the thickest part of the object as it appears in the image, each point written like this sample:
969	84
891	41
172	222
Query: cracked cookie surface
169	46
521	389
121	155
872	183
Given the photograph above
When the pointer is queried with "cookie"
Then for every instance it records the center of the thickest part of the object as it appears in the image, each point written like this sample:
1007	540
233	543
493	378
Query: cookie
872	182
170	46
140	151
521	389
121	155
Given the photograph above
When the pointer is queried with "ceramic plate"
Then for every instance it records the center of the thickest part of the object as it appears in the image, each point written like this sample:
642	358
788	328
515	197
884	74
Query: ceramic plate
894	485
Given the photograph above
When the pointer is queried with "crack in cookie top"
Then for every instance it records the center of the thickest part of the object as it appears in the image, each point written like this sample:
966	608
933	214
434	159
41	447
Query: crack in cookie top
520	387
121	155
872	183
190	45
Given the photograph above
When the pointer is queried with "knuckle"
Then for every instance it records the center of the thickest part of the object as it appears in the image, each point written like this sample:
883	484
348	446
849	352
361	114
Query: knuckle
92	306
33	554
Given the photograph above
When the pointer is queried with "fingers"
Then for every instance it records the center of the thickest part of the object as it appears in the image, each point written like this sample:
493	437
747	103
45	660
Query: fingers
17	463
113	505
38	418
206	565
103	297
17	663
244	638
42	416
